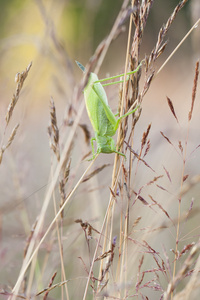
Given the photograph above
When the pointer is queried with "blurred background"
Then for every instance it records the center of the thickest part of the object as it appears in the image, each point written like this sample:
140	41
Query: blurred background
52	35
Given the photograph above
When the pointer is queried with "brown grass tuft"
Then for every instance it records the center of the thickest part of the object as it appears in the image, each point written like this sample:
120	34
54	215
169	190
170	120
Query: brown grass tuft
139	237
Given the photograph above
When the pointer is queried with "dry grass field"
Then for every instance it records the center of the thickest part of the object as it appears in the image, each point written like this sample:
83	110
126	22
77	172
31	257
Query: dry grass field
110	228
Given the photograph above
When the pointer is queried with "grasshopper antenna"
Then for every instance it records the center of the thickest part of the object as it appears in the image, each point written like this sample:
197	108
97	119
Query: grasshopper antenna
80	66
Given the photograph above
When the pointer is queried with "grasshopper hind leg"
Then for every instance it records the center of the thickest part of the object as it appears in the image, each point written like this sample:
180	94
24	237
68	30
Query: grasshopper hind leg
120	153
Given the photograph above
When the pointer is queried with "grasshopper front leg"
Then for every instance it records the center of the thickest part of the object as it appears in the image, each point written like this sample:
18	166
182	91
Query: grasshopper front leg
124	116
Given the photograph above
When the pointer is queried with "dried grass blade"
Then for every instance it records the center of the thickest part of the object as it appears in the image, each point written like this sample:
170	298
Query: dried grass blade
167	172
86	131
59	284
185	177
160	206
138	157
142	200
147	148
1	153
166	138
139	281
136	222
50	285
190	209
145	135
113	194
194	90
171	106
180	146
96	171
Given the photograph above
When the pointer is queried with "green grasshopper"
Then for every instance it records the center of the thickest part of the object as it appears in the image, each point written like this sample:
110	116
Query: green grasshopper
101	116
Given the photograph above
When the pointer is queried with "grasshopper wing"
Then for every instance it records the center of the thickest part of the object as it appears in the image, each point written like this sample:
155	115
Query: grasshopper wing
95	108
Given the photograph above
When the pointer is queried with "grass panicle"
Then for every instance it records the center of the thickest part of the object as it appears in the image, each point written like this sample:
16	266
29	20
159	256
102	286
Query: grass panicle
19	79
